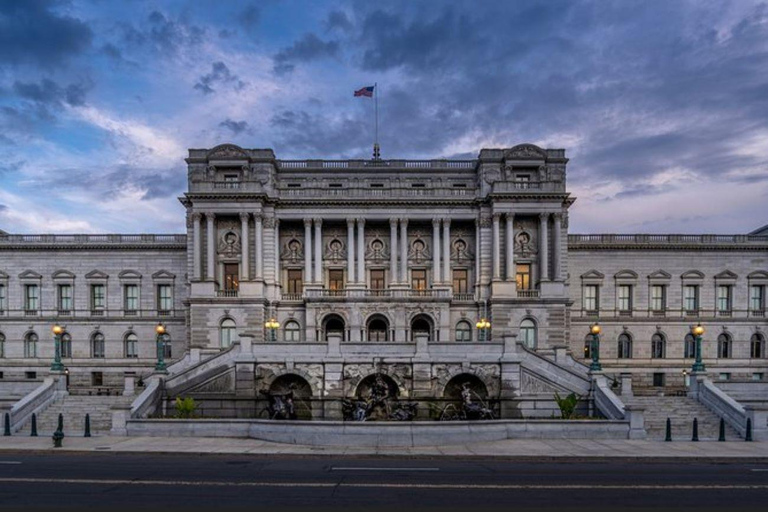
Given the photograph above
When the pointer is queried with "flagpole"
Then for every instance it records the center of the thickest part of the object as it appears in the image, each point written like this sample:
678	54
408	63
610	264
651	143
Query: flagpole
376	115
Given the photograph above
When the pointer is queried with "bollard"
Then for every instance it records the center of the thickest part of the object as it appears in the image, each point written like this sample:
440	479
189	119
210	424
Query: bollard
7	430
669	430
722	430
60	427
87	426
34	426
57	437
695	436
748	437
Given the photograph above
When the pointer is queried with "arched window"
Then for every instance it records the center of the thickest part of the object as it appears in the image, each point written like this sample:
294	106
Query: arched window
756	346
724	346
588	346
334	328
131	345
292	331
625	346
421	328
378	329
97	345
66	345
30	345
167	346
528	333
690	346
227	332
463	331
658	346
2	345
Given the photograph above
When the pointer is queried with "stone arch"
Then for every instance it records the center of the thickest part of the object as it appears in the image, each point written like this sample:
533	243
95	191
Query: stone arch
491	380
270	375
354	382
452	388
291	382
334	324
422	324
365	383
377	323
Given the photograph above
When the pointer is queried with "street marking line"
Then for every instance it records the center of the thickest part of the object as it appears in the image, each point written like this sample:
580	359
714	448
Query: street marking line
9	462
388	486
334	468
758	469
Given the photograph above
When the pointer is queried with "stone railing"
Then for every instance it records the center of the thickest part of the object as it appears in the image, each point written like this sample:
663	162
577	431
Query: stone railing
390	164
617	239
180	240
352	293
528	294
95	313
607	313
372	193
34	402
736	415
613	408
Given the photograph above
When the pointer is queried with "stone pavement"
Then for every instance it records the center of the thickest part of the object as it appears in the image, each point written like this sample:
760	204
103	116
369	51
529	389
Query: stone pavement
511	448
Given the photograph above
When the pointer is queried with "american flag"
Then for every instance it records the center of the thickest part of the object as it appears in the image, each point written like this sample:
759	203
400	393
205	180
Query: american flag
365	91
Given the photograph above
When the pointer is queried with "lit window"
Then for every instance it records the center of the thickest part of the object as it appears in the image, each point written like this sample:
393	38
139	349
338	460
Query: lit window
460	281
295	282
419	279
523	276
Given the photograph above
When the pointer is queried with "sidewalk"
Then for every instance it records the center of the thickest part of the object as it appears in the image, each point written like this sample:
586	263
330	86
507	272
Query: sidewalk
516	448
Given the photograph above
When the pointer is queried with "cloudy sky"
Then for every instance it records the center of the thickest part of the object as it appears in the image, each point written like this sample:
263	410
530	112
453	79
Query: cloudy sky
662	106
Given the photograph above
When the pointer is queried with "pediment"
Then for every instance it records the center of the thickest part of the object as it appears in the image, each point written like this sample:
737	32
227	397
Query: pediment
96	274
30	274
63	274
625	274
3	275
525	152
758	274
693	274
163	274
726	274
129	274
593	274
659	274
227	152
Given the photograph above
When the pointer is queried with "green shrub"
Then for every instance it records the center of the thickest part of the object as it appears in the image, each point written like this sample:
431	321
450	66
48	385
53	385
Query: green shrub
567	405
185	407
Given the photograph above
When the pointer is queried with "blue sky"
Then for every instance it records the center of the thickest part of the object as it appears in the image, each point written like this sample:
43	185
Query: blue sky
662	106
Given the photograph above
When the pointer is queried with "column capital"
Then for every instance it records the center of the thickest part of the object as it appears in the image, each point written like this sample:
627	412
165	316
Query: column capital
196	216
496	216
318	221
307	223
361	221
543	217
510	216
403	221
210	216
269	222
244	216
257	217
446	221
393	222
350	221
436	221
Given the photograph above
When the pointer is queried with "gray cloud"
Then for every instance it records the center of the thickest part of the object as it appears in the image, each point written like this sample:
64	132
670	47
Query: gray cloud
220	74
338	20
237	127
249	16
48	93
308	48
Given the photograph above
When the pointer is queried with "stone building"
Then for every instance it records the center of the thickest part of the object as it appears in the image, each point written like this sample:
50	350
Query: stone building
382	266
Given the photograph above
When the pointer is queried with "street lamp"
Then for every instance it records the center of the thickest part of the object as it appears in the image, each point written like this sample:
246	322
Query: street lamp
483	325
159	341
57	331
272	326
595	348
698	332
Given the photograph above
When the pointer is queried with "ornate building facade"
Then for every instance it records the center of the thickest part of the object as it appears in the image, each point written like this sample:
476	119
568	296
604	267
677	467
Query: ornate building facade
384	266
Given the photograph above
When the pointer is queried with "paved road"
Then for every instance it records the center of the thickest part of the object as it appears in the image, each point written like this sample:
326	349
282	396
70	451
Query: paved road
351	484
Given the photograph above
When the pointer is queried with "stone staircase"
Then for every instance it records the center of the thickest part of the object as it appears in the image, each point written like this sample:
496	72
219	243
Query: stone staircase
74	408
681	411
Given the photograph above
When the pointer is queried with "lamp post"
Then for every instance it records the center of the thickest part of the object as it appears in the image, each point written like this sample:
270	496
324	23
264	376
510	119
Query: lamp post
698	332
272	326
594	349
57	331
159	339
482	326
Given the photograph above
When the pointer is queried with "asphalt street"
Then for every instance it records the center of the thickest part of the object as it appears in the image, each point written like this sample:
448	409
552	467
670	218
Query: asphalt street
218	482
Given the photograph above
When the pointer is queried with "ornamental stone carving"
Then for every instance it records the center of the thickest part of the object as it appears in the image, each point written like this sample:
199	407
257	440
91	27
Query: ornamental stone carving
229	243
335	250
227	152
525	152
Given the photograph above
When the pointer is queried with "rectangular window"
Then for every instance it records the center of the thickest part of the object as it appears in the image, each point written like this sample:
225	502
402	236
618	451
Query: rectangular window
295	281
723	298
377	185
164	297
460	281
131	347
335	279
590	297
131	297
757	376
377	279
756	300
625	297
167	348
229	178
97	379
97	296
231	276
523	276
691	297
419	279
658	298
65	297
31	297
658	380
3	299
30	375
724	376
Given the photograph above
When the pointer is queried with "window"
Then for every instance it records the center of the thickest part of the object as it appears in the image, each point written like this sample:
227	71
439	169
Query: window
377	279
723	298
30	345
97	345
756	298
131	346
757	376
295	282
3	299
419	279
229	178
97	296
757	346
724	376
335	279
588	347
227	332
528	333
377	185
164	297
590	297
417	185
523	180
2	345
658	346
523	276
167	346
463	331
334	185
131	297
292	331
65	297
377	329
691	297
658	297
724	346
460	281
30	375
625	298
231	277
625	346
31	297
658	380
294	185
66	345
97	379
690	346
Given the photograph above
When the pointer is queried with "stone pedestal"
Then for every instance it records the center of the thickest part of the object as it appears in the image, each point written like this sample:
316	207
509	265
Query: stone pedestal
120	415
504	289
696	380
636	417
759	416
129	388
202	289
626	384
333	390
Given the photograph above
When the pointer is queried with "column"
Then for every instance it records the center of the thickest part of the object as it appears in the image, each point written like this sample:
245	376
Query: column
510	219
543	247
196	249
351	250
404	251
436	277
307	251
209	218
361	251
558	231
447	251
318	242
393	277
477	252
244	270
277	252
496	251
259	246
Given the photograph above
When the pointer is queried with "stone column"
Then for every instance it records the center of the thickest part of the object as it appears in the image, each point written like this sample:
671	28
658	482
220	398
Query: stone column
244	270
477	252
446	251
307	250
210	273
351	250
196	249
361	251
404	251
558	233
436	277
510	220
543	247
393	277
318	243
277	252
496	251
